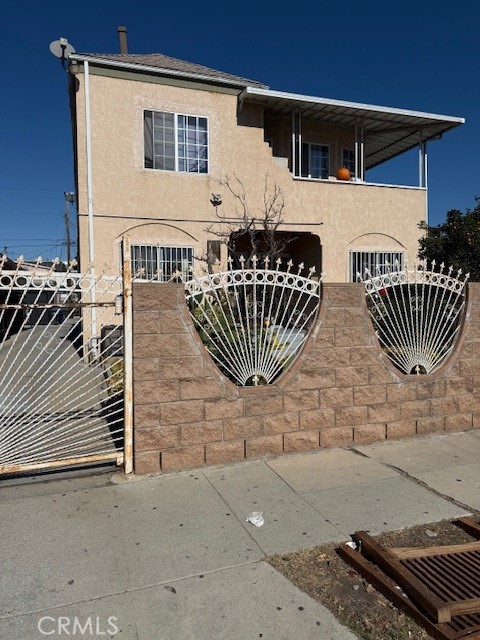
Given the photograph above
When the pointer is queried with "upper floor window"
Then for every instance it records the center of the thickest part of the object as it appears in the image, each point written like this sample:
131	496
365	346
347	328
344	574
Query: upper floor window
315	160
348	160
376	262
161	263
175	142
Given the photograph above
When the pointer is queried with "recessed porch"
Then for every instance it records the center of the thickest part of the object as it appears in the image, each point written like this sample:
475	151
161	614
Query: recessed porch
315	137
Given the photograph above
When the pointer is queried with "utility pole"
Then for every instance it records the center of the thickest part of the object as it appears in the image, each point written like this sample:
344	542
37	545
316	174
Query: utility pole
69	198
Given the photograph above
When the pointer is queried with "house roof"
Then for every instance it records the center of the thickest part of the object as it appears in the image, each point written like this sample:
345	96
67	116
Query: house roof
8	264
165	65
388	131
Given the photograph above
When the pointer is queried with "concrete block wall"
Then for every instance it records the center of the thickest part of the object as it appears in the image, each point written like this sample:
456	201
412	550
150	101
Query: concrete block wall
341	390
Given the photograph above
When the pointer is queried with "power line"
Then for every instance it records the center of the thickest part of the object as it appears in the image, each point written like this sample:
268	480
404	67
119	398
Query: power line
38	213
29	189
34	246
39	243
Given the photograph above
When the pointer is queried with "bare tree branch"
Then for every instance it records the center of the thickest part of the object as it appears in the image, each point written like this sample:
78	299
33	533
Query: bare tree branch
248	232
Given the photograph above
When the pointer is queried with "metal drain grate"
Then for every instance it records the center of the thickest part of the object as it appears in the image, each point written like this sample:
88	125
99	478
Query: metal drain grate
441	585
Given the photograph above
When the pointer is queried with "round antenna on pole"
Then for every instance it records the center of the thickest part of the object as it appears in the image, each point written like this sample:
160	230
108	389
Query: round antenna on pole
62	49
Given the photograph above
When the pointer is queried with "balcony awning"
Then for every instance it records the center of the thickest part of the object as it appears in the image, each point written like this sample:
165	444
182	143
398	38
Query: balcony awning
387	131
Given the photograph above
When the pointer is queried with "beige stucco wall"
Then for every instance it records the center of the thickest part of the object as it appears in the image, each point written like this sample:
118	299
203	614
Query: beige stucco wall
126	195
279	130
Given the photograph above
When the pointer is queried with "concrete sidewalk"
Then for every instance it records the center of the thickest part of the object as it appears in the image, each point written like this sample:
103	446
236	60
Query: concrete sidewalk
173	558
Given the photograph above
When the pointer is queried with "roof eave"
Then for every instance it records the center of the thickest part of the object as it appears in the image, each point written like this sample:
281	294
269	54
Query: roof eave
435	136
159	71
251	91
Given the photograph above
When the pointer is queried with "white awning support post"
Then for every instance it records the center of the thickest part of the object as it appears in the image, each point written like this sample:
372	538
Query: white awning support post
296	143
362	153
294	164
420	159
356	149
423	169
425	178
299	143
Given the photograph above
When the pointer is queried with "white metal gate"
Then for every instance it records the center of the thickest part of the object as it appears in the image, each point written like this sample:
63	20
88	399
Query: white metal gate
65	367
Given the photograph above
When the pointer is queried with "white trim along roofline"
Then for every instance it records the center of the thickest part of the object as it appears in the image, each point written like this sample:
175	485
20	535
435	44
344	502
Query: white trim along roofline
252	91
269	93
156	70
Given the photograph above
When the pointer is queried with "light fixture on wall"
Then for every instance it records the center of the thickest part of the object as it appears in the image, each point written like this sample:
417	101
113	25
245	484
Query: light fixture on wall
216	200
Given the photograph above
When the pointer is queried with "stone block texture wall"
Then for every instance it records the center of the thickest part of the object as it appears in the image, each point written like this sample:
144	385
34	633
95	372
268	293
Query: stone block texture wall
341	390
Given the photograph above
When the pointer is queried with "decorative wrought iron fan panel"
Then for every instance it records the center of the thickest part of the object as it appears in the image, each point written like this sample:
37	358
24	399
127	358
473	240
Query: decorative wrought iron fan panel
416	313
253	321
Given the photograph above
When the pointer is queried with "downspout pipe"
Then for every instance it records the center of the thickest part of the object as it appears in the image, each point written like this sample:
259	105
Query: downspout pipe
91	239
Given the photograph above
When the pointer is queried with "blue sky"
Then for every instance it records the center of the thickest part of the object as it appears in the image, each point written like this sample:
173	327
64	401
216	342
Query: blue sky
415	55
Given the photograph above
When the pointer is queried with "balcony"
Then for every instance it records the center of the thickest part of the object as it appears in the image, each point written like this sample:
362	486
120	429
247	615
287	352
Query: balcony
314	137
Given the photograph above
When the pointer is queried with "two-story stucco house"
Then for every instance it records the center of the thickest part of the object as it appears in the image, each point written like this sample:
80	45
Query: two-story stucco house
155	137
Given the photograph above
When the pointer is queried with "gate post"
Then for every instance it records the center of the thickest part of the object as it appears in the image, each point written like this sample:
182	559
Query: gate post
128	355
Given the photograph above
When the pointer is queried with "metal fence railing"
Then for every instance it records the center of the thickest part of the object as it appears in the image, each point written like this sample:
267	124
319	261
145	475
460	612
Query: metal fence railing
254	321
416	313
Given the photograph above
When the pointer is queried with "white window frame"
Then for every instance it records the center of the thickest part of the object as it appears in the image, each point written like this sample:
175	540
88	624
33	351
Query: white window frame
350	164
359	260
309	174
176	116
153	275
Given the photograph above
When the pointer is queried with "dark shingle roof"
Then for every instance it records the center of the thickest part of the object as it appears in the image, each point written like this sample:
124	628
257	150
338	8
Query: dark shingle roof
160	61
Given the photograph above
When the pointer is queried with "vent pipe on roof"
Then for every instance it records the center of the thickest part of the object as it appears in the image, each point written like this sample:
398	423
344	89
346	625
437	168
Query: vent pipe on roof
122	37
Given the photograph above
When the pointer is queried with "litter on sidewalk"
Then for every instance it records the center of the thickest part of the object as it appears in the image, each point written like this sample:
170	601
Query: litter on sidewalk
256	518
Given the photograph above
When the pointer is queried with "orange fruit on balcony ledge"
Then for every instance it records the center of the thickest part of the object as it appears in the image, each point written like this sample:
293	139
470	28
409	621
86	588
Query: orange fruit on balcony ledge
343	174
